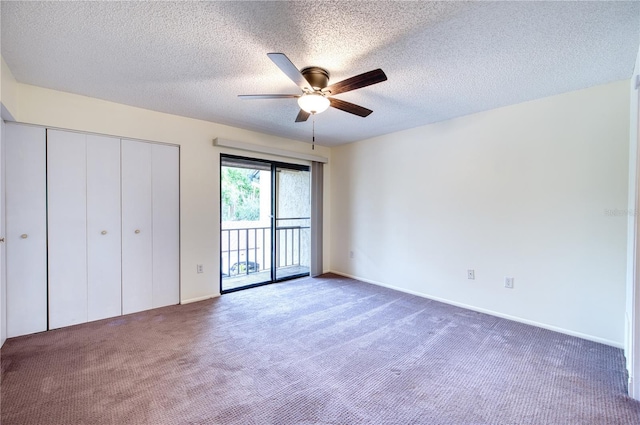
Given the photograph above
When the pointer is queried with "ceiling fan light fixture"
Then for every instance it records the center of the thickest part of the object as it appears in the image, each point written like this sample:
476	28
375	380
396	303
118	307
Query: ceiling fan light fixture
313	103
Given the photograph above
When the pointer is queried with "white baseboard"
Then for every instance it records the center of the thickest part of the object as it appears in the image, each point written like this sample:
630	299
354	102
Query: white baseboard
486	311
195	300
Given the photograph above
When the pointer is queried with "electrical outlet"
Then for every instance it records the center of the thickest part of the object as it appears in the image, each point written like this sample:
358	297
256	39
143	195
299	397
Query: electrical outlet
508	282
471	274
200	268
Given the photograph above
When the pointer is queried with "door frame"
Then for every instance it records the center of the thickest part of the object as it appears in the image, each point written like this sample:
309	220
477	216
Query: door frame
273	218
3	257
632	325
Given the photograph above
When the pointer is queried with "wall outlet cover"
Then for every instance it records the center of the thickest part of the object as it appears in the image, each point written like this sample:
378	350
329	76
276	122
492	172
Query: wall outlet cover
508	282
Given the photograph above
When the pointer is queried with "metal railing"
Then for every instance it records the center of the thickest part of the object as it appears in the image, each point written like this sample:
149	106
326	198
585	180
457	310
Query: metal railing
248	250
248	242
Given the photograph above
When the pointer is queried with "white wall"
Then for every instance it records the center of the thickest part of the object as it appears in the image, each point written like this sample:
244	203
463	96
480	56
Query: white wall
519	191
8	108
632	307
199	165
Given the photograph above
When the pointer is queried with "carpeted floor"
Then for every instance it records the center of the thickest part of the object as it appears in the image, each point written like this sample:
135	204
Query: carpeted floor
313	351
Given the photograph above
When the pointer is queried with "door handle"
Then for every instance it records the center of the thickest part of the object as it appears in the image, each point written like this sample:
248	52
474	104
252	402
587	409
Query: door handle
24	236
104	232
137	231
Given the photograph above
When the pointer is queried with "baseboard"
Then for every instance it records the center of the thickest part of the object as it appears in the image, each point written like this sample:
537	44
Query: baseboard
195	300
487	311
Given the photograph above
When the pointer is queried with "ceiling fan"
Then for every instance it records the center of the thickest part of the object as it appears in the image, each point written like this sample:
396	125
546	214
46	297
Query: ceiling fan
316	93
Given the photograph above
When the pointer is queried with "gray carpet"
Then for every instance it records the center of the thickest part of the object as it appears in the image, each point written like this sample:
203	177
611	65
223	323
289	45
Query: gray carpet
313	351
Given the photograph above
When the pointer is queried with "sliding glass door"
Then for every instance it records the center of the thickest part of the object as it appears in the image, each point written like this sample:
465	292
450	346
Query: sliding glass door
265	222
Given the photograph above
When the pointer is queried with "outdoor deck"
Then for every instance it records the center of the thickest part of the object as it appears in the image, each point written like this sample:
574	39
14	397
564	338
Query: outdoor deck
238	281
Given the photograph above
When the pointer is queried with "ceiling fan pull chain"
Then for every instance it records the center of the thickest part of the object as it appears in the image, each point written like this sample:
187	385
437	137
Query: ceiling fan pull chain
313	133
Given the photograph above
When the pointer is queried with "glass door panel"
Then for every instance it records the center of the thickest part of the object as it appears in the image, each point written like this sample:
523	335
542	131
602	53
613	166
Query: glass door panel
245	227
292	222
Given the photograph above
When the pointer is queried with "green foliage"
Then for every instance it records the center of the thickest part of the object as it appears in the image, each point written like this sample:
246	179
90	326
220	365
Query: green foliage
240	194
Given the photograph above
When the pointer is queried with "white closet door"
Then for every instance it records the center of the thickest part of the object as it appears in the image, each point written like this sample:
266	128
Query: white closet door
137	238
166	231
104	295
26	216
67	227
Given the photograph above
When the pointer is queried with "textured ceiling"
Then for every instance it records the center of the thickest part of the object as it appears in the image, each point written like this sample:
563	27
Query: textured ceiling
443	59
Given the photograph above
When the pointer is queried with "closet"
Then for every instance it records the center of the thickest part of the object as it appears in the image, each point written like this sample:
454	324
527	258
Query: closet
110	227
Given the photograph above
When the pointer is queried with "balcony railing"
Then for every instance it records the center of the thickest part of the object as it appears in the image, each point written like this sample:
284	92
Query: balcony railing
243	250
247	250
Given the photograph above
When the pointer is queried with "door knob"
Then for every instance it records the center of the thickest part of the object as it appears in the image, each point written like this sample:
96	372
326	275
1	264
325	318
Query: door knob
24	236
1	240
137	231
104	232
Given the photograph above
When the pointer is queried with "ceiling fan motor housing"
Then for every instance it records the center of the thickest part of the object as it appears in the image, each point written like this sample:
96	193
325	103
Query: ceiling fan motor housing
316	76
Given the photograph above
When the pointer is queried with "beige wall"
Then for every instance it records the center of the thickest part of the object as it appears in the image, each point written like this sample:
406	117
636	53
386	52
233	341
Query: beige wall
535	191
199	165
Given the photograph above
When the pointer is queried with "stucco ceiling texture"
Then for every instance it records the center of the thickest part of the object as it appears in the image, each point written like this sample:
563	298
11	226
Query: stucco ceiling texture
442	59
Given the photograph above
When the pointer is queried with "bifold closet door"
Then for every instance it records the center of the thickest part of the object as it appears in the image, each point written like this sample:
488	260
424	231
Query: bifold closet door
150	226
26	238
137	232
166	227
67	227
104	288
83	183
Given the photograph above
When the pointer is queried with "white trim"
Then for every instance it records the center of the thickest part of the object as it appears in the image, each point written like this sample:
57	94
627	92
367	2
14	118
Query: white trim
195	300
486	311
268	150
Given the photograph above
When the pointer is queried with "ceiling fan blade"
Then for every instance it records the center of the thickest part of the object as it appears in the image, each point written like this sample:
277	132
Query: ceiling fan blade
352	108
268	96
290	70
357	82
302	116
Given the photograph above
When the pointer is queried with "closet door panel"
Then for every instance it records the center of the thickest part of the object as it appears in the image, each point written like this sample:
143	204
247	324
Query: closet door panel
67	227
137	240
166	231
26	221
104	297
